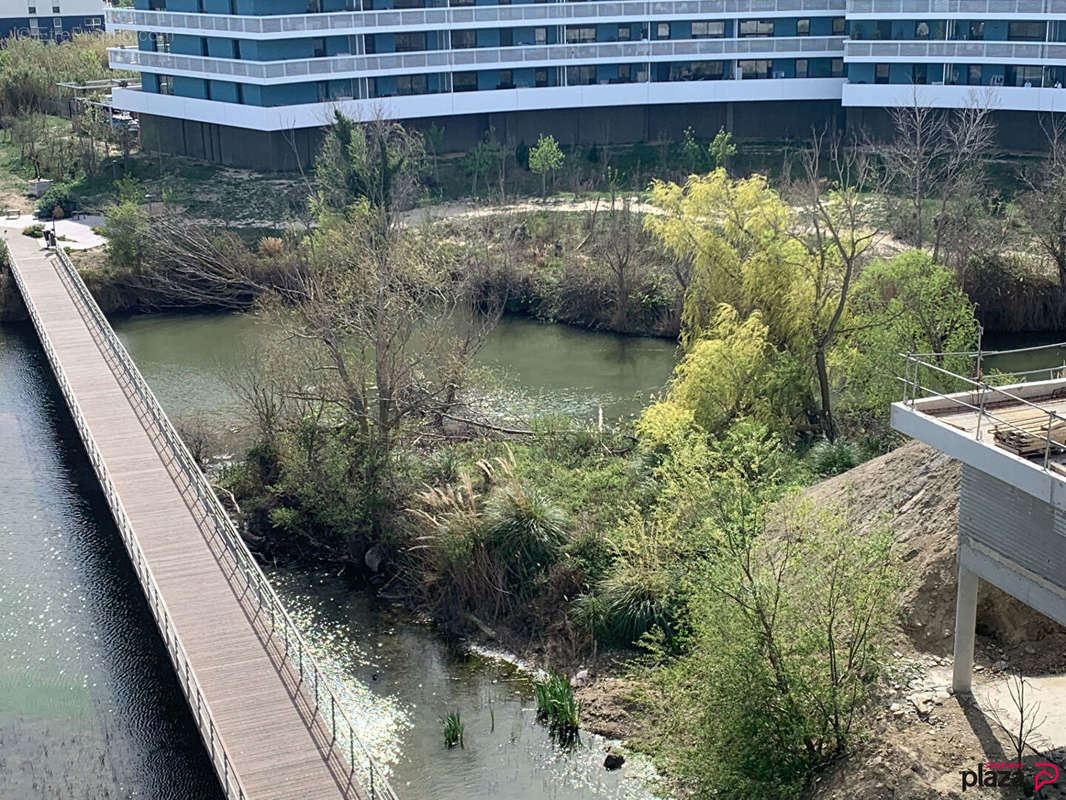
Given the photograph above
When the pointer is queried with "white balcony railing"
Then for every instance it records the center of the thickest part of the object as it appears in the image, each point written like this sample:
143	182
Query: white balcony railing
347	66
981	9
952	51
349	23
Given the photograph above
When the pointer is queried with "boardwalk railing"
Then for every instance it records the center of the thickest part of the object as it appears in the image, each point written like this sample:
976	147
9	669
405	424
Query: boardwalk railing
255	593
231	783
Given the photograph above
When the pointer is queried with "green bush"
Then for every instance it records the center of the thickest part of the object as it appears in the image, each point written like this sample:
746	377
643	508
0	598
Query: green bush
524	531
34	231
831	458
58	194
557	706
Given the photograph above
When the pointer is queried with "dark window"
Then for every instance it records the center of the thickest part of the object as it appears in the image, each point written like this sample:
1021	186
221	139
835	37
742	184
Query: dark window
540	35
881	73
714	29
505	80
803	27
1026	31
411	84
836	67
240	93
921	30
756	27
207	90
203	48
801	68
976	31
506	37
165	85
581	76
540	77
322	88
462	2
625	33
580	35
838	26
464	40
464	81
161	42
973	76
410	42
757	68
32	10
318	48
55	9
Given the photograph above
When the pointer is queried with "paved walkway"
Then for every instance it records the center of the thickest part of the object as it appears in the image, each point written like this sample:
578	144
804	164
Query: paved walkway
77	234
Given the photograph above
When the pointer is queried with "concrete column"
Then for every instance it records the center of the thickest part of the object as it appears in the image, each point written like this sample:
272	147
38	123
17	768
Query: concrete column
965	624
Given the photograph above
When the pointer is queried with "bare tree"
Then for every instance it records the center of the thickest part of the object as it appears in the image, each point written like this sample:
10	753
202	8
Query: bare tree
969	136
912	156
1027	718
837	226
625	248
1043	206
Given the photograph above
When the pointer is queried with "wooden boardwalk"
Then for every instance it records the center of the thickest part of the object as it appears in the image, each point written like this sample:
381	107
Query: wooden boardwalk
270	725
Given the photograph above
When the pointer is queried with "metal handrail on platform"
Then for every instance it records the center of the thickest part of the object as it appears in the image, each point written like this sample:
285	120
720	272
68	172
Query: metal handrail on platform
979	389
218	528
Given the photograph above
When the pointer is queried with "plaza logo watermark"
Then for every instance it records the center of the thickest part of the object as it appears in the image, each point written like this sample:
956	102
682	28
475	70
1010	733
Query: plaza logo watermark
1009	773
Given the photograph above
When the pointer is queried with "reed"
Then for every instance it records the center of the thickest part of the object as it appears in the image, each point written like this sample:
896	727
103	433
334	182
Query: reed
453	730
557	706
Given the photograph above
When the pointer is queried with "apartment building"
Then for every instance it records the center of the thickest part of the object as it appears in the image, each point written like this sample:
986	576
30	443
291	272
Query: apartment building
53	20
250	81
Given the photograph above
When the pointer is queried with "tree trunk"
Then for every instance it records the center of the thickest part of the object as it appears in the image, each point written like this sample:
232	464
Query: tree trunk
823	387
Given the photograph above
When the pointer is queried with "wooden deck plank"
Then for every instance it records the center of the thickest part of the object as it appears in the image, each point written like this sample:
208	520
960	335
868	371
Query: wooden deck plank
274	740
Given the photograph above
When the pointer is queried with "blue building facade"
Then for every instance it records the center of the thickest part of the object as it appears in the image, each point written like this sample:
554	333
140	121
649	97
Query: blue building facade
50	20
274	66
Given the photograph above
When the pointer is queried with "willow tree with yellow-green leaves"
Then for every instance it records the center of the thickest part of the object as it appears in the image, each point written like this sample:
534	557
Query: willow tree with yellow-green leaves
756	262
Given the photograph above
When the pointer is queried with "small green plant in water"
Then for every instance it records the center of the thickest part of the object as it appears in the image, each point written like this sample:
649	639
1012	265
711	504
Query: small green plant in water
453	730
557	706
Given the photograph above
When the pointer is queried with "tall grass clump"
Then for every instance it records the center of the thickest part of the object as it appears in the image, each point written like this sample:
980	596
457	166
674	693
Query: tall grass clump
453	730
557	706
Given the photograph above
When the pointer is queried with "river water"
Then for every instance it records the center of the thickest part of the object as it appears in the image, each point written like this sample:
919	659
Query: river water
89	707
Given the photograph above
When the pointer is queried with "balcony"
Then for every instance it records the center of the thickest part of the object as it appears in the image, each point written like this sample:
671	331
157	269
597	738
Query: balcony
961	51
347	66
350	23
960	9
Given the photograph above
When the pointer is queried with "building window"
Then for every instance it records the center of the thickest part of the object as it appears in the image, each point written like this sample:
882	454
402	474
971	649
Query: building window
165	84
55	9
464	40
540	77
714	29
580	35
756	27
240	93
973	75
625	33
506	37
161	42
410	42
318	48
881	73
976	31
757	68
464	82
411	84
836	67
1026	31
581	76
32	10
540	35
838	26
662	30
803	27
505	79
57	22
801	68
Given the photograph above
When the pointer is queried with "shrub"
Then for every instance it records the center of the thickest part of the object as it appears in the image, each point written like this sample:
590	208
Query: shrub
557	706
58	195
832	458
271	246
523	530
34	231
453	730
